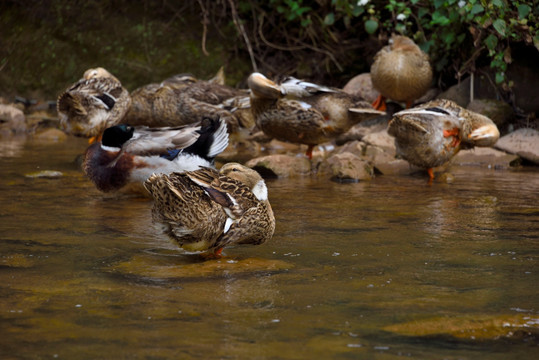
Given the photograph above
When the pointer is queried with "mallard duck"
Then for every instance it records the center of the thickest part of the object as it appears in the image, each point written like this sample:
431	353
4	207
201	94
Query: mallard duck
128	154
207	210
180	100
431	134
301	112
92	104
401	72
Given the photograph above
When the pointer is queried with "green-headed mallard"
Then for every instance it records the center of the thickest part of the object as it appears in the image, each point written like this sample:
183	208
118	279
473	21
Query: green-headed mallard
401	72
128	154
431	134
92	104
301	112
207	210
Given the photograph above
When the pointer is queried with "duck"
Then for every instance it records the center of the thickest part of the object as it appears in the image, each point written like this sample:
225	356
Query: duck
179	100
95	102
431	134
301	112
206	210
130	155
401	71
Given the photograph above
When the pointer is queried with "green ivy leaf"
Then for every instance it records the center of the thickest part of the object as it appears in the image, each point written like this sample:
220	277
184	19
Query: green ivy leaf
371	26
491	41
329	19
499	25
500	77
523	11
536	40
477	9
439	19
498	3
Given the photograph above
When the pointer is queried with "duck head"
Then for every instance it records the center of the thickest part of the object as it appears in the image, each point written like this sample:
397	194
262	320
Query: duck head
116	136
263	87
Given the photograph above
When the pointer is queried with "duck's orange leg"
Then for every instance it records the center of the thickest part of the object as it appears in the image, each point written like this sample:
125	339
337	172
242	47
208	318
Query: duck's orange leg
380	103
431	174
309	152
455	133
216	254
409	103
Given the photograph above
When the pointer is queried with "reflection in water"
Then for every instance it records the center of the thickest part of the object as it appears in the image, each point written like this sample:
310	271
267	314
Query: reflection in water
12	146
351	269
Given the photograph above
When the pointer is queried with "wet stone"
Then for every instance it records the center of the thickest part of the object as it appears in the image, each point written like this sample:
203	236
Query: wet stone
150	267
281	165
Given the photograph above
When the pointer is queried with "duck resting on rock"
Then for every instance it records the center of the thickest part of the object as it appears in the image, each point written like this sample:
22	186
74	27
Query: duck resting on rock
206	210
401	71
430	135
128	154
302	112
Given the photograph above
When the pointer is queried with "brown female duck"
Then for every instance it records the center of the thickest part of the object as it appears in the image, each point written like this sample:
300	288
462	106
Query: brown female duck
207	210
92	104
301	112
401	72
180	100
431	134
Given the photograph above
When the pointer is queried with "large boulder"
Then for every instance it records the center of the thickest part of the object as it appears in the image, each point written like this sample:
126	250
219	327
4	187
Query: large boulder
280	165
522	142
346	167
361	85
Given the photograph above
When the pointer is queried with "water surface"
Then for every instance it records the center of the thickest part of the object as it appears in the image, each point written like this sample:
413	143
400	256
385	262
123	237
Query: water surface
390	268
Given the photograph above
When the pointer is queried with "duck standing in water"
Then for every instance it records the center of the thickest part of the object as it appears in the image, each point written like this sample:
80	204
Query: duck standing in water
128	154
431	134
301	112
207	210
401	72
92	104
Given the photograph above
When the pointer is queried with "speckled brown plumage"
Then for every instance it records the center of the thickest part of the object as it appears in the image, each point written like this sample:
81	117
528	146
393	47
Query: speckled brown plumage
401	71
180	100
304	113
92	104
431	134
194	207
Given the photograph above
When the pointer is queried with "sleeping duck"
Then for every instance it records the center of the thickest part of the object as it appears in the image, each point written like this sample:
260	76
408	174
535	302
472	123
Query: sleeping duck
128	154
302	112
430	135
92	104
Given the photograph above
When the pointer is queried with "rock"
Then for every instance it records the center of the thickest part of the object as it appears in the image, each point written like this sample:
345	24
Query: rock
381	139
481	156
522	142
355	147
12	120
385	162
361	85
468	326
347	167
498	111
460	93
49	174
149	267
280	165
51	135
